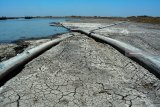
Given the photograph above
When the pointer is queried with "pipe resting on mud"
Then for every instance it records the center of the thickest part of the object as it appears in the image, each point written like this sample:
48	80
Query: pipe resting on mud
18	61
147	61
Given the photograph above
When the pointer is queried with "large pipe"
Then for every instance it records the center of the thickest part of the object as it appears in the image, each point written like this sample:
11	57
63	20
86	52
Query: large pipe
8	66
148	61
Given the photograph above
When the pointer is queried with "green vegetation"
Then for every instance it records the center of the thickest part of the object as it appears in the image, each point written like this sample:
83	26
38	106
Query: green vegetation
141	19
145	19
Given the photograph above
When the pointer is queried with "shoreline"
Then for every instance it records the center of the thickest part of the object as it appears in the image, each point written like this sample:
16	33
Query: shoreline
32	38
139	19
16	47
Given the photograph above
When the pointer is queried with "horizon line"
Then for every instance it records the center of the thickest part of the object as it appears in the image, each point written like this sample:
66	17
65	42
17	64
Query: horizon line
80	16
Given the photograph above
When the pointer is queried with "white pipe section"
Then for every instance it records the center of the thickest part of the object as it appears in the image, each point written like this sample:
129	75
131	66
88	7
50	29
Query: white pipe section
149	60
8	66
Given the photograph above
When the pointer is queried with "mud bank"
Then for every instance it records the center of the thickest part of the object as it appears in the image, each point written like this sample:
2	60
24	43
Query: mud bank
9	50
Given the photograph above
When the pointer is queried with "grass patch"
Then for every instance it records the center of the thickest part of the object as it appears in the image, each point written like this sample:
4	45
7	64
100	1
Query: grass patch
145	19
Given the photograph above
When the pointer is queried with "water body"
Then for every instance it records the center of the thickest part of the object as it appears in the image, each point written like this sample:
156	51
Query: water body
11	30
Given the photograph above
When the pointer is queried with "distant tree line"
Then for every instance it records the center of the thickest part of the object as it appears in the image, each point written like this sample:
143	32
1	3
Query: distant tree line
5	18
142	19
145	19
28	17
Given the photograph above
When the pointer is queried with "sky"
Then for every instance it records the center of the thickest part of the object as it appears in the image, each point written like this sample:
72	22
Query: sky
79	7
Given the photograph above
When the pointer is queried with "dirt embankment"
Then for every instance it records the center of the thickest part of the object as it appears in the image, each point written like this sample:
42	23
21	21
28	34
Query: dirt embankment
140	19
10	50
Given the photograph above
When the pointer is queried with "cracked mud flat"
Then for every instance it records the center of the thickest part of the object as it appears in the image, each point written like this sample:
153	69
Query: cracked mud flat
141	35
80	72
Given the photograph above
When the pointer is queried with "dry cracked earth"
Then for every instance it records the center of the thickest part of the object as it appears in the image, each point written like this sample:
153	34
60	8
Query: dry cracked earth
81	72
141	35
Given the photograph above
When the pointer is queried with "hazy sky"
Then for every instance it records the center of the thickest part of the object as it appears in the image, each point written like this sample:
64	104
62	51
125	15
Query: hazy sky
79	7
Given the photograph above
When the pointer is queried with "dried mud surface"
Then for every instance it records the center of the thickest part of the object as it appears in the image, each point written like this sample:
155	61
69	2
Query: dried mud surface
80	72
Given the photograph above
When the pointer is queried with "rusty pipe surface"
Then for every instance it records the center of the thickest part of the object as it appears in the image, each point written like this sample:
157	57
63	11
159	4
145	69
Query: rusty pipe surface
8	66
150	62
